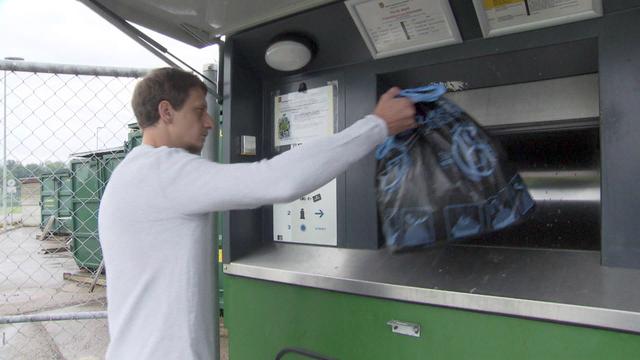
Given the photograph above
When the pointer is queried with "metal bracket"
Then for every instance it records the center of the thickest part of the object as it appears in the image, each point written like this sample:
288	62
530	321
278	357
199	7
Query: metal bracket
248	145
404	328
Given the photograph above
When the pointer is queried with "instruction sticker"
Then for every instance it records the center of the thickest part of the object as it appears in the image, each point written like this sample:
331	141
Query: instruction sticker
300	117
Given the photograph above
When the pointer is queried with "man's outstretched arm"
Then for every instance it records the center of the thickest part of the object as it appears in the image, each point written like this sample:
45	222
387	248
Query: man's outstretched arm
219	187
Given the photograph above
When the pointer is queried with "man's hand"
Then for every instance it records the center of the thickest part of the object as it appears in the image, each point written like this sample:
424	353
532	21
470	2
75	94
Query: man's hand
398	113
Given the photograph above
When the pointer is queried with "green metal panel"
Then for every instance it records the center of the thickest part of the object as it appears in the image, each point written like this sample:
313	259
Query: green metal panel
266	317
219	219
90	176
48	200
87	251
86	184
220	269
134	137
65	205
135	140
55	201
109	163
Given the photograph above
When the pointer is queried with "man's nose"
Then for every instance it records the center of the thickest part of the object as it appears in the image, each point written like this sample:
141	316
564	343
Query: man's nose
208	123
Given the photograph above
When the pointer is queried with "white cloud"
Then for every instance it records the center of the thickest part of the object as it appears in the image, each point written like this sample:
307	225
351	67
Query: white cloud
66	31
48	116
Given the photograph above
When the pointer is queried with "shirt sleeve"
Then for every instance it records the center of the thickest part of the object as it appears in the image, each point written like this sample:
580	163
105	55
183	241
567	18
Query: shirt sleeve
211	186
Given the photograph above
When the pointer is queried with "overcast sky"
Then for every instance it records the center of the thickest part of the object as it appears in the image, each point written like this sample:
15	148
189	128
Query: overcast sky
66	31
50	117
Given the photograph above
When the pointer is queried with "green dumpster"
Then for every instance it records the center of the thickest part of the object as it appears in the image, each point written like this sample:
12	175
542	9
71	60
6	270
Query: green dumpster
134	137
90	173
55	200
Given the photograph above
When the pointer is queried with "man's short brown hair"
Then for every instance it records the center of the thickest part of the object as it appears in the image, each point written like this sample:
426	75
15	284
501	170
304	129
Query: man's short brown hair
168	84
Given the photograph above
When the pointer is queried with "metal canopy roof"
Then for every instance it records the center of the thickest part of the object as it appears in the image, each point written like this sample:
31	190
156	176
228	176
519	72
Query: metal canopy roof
200	22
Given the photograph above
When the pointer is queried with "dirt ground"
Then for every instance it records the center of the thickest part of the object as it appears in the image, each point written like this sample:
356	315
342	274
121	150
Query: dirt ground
31	282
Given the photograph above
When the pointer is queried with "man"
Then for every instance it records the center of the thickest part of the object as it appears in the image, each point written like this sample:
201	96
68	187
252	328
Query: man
154	228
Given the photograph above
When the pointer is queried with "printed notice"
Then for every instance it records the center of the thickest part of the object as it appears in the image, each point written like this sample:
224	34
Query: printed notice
529	14
300	116
398	26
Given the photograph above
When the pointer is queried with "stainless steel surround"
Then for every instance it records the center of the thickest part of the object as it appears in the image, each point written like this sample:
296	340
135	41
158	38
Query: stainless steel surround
552	285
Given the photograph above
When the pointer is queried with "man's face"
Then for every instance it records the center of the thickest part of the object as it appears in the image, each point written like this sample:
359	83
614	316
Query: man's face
192	123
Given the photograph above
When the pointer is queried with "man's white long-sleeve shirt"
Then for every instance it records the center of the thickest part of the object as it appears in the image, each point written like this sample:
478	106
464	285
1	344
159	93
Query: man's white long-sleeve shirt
156	235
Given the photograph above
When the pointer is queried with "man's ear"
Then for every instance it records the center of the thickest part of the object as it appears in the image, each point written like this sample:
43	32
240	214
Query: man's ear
165	110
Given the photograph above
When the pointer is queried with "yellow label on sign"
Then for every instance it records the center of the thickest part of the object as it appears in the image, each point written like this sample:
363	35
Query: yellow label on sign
219	255
492	4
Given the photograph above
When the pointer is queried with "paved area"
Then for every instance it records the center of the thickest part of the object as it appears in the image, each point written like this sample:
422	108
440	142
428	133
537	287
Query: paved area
31	282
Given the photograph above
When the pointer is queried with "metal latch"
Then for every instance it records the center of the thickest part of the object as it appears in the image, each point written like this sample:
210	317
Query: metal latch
404	328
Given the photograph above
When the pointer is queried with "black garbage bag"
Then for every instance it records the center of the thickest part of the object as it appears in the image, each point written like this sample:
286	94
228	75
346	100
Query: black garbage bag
445	180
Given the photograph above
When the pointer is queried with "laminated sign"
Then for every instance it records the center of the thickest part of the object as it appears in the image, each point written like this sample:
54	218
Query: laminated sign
446	179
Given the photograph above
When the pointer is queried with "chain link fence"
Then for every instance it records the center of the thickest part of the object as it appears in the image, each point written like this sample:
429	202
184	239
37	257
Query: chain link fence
64	129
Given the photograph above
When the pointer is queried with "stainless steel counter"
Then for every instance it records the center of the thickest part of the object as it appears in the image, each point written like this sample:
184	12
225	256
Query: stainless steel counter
556	285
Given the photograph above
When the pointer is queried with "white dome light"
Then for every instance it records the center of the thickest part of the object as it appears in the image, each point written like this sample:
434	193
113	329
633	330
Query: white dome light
287	55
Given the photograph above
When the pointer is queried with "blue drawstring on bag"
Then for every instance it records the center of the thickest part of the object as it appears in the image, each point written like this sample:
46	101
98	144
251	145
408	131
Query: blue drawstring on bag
428	93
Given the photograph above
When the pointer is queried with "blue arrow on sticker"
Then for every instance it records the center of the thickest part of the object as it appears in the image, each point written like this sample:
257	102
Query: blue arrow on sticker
319	213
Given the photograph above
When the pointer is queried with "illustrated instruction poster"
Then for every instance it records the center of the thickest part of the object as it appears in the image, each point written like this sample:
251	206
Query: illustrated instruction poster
300	117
